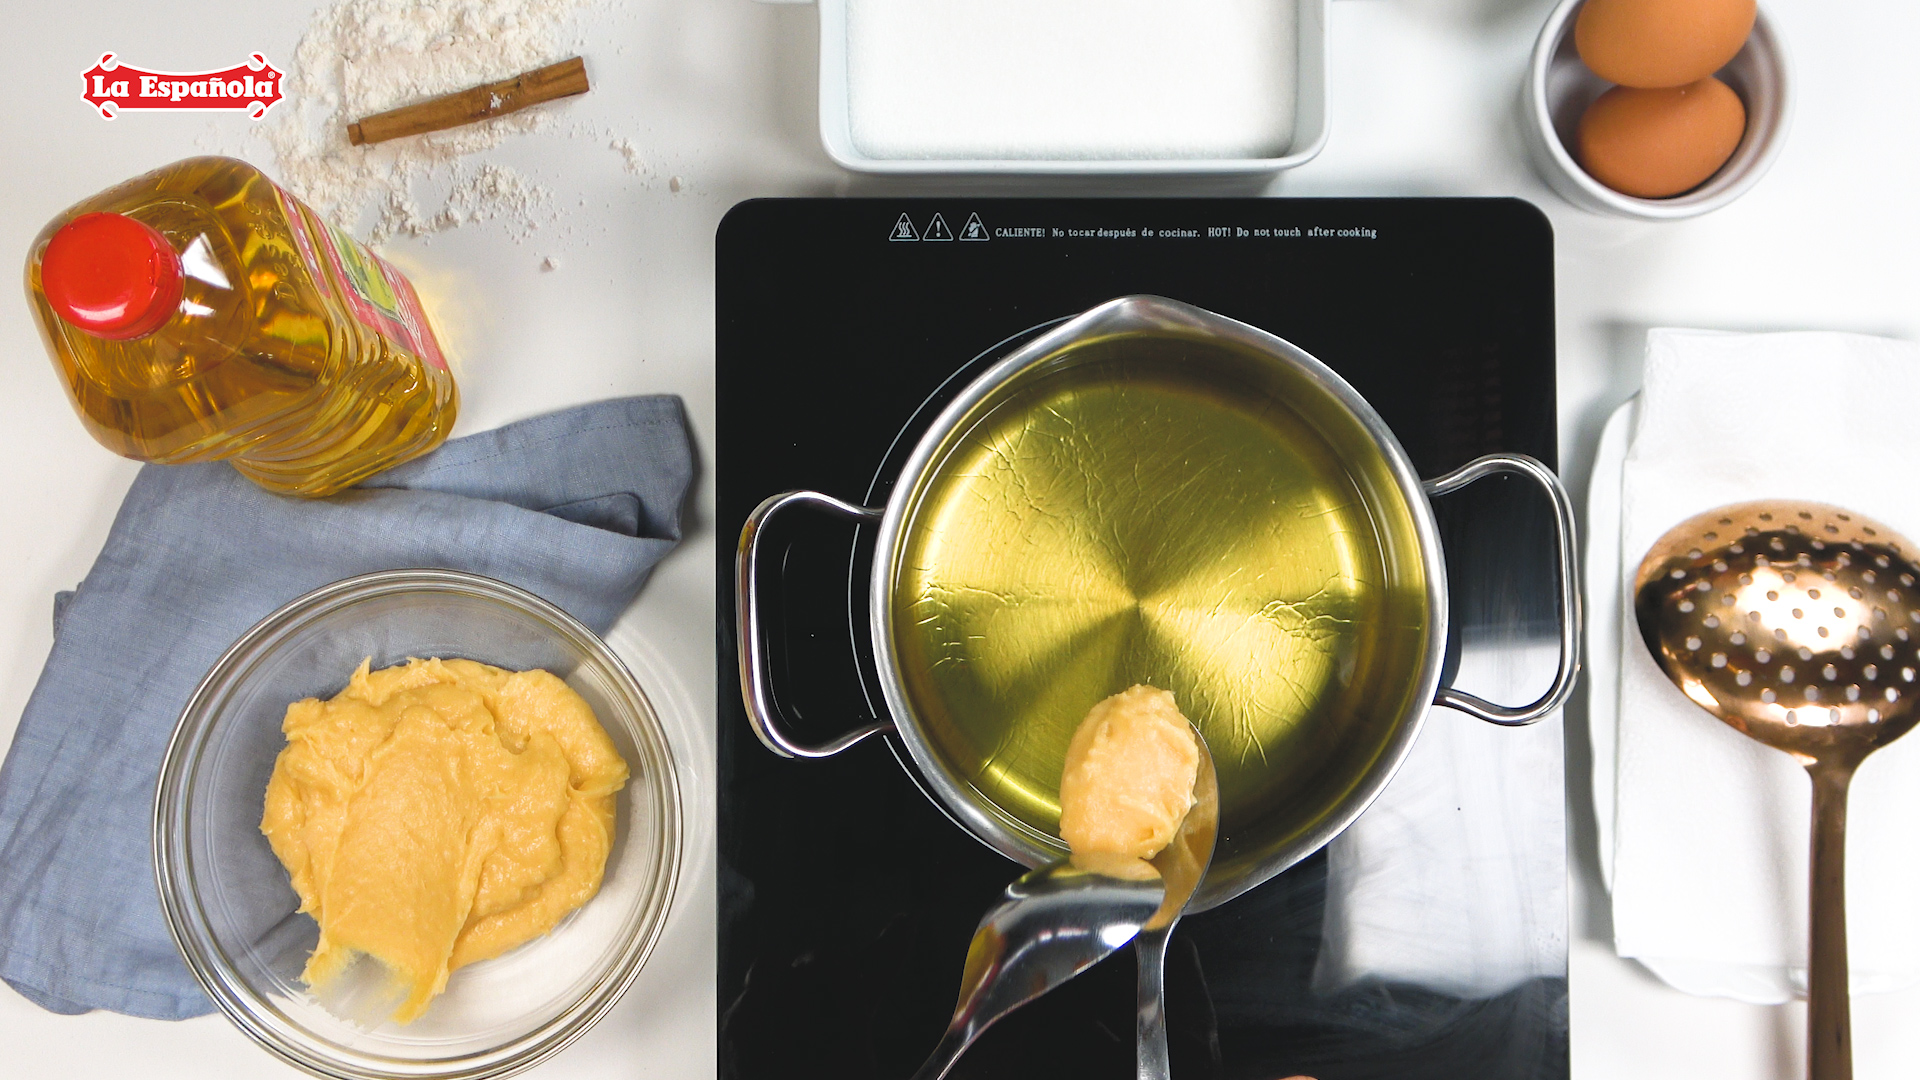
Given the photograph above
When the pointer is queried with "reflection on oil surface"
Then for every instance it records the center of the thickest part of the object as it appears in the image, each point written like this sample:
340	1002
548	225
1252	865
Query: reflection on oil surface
1109	525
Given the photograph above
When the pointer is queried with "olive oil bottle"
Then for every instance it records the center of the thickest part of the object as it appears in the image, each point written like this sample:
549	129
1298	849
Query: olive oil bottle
201	312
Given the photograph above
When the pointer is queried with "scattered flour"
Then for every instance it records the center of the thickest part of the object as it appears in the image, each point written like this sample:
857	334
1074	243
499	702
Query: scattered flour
360	57
631	153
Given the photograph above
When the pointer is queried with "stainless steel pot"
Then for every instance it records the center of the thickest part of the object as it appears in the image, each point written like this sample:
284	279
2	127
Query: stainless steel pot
1154	493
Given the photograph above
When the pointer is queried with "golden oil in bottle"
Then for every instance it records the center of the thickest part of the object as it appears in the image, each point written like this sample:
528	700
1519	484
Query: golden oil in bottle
201	312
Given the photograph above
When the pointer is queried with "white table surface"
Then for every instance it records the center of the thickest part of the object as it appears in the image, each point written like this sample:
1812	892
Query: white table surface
720	93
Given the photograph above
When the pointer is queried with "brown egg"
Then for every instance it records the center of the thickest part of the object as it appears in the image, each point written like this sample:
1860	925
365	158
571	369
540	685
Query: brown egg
1650	43
1657	143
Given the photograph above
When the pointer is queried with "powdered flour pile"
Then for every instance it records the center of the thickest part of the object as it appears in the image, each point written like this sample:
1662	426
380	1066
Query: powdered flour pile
360	57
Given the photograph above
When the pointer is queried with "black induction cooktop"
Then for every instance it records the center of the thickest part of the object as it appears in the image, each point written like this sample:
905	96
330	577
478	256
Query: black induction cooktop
847	898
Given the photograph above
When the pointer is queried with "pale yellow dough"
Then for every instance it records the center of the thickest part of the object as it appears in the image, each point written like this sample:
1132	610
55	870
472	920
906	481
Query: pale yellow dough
1128	781
438	813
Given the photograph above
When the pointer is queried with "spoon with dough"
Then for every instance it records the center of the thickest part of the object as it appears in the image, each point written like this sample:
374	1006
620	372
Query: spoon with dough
1139	781
1131	792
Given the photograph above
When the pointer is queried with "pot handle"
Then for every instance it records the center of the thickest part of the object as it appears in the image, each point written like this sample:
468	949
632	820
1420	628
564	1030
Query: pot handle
756	681
1570	618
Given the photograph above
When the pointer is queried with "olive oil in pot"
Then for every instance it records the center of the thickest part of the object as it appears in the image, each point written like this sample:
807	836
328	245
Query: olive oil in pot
1121	523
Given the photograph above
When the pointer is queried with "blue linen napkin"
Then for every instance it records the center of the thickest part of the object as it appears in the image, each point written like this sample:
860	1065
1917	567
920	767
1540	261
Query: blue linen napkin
575	506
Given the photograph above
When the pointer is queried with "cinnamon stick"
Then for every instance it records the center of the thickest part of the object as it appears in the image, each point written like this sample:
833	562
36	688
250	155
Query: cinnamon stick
564	79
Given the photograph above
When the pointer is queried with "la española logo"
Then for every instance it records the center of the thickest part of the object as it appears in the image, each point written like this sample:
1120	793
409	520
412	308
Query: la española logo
252	88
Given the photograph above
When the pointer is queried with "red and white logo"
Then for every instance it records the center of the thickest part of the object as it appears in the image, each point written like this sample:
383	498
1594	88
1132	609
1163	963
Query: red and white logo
252	87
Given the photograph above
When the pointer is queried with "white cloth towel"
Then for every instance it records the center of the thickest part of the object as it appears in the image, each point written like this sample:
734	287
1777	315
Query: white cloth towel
1710	828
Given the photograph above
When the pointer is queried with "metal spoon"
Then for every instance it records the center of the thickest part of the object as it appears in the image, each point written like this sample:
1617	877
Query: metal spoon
1182	864
1055	922
1796	624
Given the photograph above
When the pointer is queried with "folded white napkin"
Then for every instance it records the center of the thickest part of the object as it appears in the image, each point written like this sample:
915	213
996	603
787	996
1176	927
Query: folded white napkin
1710	828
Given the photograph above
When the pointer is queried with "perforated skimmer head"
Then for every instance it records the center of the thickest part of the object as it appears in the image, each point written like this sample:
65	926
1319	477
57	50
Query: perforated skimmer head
1797	623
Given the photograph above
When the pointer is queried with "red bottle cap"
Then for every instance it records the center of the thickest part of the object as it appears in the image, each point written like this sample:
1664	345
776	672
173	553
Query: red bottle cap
111	276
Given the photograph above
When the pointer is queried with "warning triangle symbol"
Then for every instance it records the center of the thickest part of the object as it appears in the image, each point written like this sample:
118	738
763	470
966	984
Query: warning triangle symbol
937	229
973	229
903	230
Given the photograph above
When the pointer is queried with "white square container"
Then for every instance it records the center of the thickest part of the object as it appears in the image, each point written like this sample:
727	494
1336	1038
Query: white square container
837	135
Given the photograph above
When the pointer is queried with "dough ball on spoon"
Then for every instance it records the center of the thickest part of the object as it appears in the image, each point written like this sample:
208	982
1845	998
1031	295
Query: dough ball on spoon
1129	776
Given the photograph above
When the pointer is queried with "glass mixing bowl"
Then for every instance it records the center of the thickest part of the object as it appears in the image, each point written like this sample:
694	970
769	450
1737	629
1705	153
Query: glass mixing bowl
231	908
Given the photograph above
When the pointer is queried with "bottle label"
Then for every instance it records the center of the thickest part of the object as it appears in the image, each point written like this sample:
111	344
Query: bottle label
378	295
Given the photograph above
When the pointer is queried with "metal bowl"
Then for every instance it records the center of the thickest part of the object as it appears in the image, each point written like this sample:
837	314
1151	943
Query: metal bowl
232	912
1152	493
1558	89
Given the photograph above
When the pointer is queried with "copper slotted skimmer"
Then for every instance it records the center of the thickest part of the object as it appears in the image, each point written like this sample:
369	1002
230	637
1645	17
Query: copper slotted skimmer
1797	625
